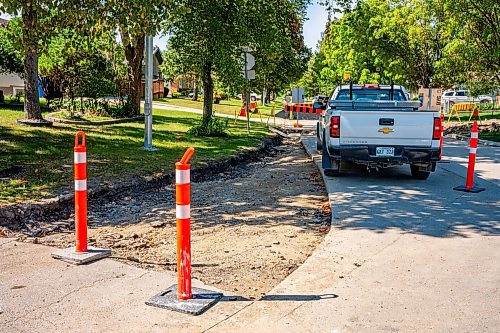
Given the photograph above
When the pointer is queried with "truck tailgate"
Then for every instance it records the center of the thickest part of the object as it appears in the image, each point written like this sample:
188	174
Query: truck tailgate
408	128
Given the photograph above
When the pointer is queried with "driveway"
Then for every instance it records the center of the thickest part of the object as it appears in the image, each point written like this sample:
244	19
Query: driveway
402	256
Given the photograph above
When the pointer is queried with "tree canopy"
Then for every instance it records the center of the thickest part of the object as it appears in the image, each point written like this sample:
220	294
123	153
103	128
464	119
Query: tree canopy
11	58
209	37
418	43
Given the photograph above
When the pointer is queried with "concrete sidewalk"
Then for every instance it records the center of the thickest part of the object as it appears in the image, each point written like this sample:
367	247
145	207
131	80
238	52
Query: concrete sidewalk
41	294
287	123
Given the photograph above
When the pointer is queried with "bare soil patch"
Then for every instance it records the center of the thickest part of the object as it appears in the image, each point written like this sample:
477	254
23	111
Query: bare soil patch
250	228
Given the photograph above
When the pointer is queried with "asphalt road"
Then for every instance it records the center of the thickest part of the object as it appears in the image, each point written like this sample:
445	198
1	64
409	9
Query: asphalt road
403	255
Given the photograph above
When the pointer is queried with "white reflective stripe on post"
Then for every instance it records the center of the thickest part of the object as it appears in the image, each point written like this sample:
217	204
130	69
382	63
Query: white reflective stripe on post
183	211
80	185
472	150
474	135
182	176
80	158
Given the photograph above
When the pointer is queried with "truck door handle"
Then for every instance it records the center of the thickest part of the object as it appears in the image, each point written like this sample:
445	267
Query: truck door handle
386	121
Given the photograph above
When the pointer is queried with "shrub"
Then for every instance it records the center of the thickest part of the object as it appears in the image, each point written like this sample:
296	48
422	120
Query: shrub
185	91
98	87
489	106
216	128
176	94
219	95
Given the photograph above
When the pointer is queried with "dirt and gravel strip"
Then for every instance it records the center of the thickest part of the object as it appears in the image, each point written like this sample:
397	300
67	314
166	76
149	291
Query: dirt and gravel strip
454	127
250	227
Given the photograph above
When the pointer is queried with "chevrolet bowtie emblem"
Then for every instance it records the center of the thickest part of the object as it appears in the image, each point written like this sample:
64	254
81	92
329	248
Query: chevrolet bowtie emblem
386	130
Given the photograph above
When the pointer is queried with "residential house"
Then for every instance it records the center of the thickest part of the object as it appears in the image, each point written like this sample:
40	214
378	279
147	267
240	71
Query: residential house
180	83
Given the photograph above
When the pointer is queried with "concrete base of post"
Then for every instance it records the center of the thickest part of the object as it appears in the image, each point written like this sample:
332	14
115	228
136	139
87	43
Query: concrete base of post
77	258
202	300
471	190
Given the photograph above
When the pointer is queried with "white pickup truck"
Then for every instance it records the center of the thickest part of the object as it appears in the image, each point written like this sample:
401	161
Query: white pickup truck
376	125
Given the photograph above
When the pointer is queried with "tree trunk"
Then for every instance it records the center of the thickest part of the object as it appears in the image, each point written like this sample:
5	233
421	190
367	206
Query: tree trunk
31	99
134	53
208	88
195	90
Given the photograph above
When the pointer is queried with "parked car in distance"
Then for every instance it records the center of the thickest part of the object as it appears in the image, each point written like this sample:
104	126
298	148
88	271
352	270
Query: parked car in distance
253	97
451	97
191	94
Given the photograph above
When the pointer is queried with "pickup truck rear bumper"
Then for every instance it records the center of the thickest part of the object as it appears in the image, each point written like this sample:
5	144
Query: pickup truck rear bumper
366	154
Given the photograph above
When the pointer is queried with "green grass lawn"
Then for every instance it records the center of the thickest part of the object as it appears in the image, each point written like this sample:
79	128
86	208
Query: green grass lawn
492	136
64	115
38	162
225	106
485	115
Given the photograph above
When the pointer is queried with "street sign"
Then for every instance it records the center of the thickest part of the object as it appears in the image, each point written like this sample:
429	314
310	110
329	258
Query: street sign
298	95
251	75
250	61
249	64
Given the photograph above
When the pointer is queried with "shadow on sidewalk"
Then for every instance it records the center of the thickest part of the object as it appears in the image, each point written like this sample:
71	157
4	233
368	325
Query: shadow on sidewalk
290	298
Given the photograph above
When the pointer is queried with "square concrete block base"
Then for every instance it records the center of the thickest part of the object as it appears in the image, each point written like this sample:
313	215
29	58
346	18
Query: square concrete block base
202	300
92	254
471	190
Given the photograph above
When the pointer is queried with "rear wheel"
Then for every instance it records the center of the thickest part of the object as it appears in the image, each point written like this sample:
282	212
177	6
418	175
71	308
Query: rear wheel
332	172
319	144
417	173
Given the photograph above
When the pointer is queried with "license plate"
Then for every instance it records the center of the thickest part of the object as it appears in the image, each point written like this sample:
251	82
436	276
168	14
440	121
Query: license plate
385	151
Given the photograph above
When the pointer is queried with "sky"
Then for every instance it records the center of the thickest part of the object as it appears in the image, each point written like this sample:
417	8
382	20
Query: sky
313	27
315	24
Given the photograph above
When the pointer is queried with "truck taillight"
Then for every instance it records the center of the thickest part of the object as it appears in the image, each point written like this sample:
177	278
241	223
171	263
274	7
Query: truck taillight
335	127
436	133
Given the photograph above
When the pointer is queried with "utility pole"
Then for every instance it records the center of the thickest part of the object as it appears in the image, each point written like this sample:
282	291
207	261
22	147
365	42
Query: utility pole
148	95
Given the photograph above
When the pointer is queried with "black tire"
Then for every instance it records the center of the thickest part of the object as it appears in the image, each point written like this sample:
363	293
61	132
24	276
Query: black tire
417	174
331	172
319	143
483	101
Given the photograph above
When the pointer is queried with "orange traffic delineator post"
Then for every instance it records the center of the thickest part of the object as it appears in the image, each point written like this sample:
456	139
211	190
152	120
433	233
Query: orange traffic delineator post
183	223
183	297
80	156
469	182
81	253
441	139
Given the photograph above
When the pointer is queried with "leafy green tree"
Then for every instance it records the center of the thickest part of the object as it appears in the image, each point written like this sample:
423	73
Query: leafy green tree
212	45
135	19
36	15
377	41
418	43
272	29
11	59
73	62
472	57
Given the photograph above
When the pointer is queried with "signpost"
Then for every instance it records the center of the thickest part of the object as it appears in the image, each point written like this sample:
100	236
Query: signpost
148	95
